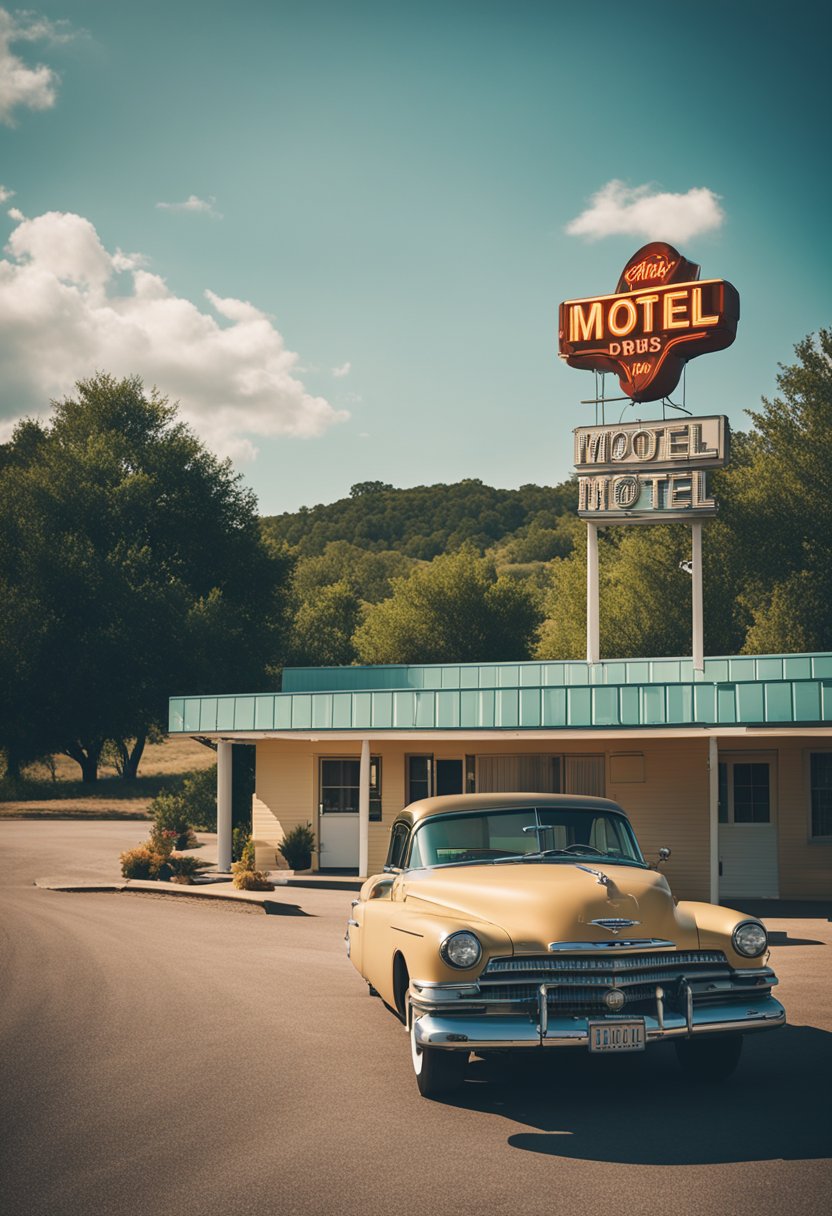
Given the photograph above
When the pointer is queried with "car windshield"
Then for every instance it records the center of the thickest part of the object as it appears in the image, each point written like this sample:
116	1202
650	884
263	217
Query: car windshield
565	834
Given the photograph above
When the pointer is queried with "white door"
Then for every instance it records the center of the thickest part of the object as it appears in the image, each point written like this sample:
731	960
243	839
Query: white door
338	813
747	826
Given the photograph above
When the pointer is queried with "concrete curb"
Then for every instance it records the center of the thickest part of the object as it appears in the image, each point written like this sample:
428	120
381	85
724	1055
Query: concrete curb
206	890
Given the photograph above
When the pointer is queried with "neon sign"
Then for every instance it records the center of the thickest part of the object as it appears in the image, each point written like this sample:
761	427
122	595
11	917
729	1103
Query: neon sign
660	317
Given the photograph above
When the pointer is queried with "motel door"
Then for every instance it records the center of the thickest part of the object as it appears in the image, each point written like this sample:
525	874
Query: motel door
747	826
338	814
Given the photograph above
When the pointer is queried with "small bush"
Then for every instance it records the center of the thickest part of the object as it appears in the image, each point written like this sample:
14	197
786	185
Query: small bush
297	845
239	838
170	814
252	880
199	793
138	862
186	866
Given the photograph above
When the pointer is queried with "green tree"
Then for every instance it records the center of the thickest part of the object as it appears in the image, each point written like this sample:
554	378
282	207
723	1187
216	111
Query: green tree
323	627
367	572
454	610
781	506
131	567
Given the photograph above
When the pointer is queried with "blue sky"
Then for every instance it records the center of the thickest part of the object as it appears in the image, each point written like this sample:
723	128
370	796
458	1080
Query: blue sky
377	197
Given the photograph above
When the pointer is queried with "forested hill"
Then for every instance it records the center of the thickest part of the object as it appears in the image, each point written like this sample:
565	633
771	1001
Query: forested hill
425	521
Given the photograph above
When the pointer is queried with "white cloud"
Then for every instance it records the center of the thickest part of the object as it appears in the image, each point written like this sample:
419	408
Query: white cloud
343	370
69	307
5	194
621	210
193	204
16	214
32	87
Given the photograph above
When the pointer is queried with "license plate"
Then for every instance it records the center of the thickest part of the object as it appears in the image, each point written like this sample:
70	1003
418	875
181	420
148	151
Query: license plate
616	1036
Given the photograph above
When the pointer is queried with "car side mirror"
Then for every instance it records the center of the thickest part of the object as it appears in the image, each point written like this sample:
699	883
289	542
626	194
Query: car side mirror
663	856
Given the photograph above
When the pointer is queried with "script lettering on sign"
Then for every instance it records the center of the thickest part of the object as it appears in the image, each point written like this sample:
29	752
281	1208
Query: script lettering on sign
660	317
636	471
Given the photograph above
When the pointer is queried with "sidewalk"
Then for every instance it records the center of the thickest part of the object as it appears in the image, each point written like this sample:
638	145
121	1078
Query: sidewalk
210	884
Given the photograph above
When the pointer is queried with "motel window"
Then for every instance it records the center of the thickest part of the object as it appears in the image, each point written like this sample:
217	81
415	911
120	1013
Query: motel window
523	774
418	778
340	779
744	792
820	776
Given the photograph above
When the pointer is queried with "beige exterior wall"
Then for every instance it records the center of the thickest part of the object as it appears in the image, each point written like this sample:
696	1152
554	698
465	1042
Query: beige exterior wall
805	865
661	783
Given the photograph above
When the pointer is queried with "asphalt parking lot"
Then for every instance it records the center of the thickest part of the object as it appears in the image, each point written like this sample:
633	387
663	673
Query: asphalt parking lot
163	1055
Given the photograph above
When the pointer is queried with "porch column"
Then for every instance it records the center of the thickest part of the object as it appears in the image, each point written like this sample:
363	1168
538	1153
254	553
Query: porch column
364	810
593	645
698	613
224	761
713	816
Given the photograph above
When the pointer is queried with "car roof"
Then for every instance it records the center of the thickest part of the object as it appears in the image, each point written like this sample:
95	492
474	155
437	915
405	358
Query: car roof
471	803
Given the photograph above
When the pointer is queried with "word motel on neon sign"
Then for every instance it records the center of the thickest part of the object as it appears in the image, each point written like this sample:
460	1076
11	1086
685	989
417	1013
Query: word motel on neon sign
659	318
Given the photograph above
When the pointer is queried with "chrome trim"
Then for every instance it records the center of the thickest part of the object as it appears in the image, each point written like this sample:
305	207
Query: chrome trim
641	943
488	1031
355	924
543	1010
660	1007
615	923
354	902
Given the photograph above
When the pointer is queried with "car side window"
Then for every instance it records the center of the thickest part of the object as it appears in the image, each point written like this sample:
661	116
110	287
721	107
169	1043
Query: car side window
398	846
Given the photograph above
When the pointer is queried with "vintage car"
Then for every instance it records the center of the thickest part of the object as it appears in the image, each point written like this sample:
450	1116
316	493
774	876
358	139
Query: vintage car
516	921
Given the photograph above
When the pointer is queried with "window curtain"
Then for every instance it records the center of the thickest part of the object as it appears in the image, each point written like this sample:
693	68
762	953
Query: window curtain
523	774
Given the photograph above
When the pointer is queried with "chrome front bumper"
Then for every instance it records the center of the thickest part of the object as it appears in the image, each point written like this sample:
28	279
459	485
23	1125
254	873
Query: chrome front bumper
472	1032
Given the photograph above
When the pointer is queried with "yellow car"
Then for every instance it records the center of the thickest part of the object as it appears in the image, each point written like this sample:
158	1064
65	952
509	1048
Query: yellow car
532	921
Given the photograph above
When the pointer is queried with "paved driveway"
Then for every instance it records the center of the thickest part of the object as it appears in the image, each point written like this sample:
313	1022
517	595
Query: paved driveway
167	1056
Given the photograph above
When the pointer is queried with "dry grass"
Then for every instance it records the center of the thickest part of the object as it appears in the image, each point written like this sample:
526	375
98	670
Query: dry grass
163	765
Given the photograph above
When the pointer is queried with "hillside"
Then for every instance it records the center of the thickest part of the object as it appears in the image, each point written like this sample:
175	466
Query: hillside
424	521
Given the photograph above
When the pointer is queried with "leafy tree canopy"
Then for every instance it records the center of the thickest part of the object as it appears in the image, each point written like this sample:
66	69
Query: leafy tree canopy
456	609
424	521
131	566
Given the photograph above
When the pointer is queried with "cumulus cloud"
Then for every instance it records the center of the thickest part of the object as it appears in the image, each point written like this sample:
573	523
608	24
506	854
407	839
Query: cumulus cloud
621	210
5	194
23	85
194	205
343	370
69	307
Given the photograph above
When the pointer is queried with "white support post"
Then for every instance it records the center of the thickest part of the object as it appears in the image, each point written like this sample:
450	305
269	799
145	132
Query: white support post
713	816
698	611
364	810
593	643
224	762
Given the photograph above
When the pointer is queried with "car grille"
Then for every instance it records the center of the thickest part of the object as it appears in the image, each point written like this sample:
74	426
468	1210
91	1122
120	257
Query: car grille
578	985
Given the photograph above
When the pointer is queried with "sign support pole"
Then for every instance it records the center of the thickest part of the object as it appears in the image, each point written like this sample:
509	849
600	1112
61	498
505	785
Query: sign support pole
593	643
698	611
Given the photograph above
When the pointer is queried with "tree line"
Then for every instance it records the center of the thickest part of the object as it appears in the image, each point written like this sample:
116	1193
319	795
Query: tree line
133	566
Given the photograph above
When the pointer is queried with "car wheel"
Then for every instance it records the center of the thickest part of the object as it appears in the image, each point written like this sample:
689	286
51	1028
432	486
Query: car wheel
709	1059
437	1072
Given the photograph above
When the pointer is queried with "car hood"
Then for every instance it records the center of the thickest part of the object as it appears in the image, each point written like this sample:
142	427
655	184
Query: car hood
538	903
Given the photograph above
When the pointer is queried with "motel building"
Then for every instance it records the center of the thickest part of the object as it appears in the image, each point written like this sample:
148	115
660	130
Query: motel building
730	766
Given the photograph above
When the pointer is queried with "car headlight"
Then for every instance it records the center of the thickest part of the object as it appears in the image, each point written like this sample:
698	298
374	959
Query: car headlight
750	938
461	949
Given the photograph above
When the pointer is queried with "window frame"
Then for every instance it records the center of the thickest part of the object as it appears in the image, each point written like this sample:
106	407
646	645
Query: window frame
376	806
811	837
730	760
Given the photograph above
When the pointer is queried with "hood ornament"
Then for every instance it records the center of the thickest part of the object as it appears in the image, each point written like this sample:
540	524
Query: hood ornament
603	879
615	923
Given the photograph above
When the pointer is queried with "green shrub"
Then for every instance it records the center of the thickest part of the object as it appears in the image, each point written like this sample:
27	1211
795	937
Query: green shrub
170	814
186	866
297	845
239	838
251	880
138	862
199	792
